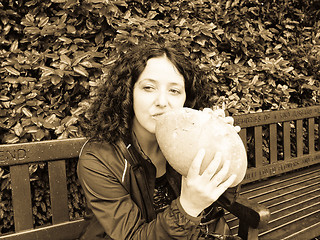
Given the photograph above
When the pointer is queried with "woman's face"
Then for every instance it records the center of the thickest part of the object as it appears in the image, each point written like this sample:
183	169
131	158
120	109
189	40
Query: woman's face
159	88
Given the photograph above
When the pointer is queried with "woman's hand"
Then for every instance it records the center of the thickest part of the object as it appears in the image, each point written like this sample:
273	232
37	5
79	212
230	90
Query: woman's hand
200	191
220	113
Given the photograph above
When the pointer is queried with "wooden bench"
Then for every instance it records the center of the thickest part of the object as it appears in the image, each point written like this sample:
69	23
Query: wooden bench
55	153
17	159
283	176
284	170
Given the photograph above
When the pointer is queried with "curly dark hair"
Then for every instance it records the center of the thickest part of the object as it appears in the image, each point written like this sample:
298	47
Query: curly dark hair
111	113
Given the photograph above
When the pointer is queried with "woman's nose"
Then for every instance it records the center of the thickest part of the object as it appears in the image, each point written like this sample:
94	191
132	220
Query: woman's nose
162	99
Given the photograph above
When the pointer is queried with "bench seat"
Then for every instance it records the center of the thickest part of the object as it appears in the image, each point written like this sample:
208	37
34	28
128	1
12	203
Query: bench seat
293	200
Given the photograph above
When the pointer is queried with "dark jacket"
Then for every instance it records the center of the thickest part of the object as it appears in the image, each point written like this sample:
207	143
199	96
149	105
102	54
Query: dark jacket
117	189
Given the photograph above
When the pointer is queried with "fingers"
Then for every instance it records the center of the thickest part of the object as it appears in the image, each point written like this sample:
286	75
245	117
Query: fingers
237	129
194	169
219	113
213	166
225	185
229	120
208	110
219	183
211	175
221	175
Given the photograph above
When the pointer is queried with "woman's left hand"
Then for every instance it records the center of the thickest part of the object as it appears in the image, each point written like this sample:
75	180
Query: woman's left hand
220	113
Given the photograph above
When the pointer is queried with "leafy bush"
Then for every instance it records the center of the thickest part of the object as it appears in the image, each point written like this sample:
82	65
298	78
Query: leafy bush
258	55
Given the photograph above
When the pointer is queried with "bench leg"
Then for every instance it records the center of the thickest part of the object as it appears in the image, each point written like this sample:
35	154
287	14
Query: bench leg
248	233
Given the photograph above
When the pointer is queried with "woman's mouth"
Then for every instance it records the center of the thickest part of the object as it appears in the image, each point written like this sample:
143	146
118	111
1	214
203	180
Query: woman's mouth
157	115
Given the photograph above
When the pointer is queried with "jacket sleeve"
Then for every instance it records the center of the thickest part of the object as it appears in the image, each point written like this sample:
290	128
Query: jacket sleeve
118	214
229	196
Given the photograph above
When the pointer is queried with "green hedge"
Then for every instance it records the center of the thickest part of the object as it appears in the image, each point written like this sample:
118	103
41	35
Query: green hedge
258	54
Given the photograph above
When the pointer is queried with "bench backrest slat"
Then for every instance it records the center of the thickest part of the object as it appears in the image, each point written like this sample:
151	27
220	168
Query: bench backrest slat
14	154
58	191
286	141
299	137
311	141
273	143
258	146
243	136
21	197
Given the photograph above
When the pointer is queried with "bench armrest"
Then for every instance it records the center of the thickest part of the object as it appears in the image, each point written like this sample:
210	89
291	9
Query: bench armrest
255	214
252	216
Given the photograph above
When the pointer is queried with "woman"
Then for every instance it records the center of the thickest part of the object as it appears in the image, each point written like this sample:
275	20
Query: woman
131	191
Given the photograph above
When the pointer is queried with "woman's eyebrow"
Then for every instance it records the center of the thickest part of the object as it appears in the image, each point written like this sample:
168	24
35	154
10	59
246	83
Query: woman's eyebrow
148	79
178	83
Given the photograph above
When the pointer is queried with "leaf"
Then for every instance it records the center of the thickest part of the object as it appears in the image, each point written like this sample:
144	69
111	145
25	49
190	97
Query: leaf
237	59
48	125
55	79
32	30
47	71
254	80
80	70
65	40
72	129
31	95
43	21
288	69
10	138
71	29
59	1
18	129
33	168
39	135
65	59
5	183
99	38
152	14
43	207
311	87
14	46
79	58
69	80
31	129
251	63
26	112
19	99
218	31
12	70
69	120
1	172
4	98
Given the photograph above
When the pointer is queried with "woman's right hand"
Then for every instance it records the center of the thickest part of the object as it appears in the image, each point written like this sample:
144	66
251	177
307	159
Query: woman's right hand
200	191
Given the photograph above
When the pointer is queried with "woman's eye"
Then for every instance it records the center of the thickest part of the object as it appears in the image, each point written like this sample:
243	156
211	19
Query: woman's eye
148	88
175	91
